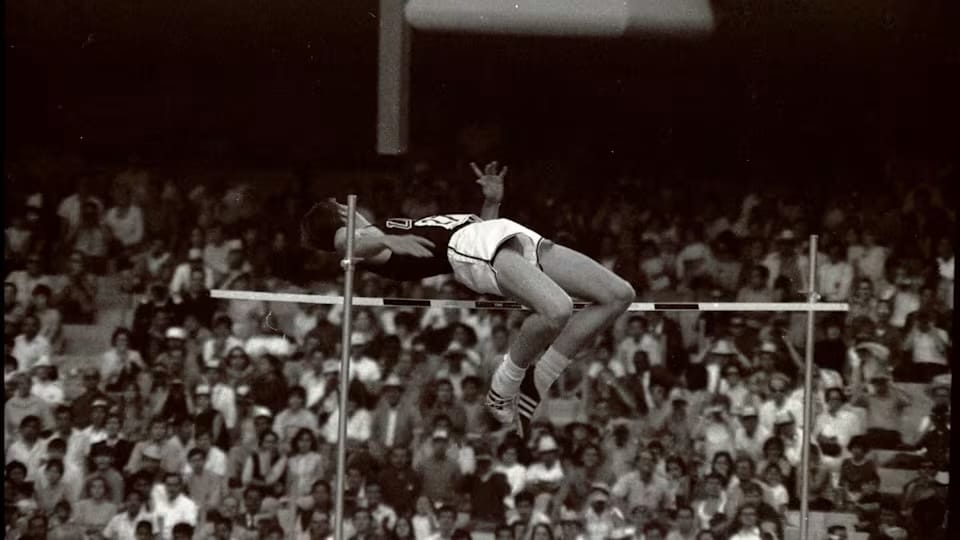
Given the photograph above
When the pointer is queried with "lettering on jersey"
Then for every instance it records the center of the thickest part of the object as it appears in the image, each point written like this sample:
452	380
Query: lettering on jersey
447	221
400	223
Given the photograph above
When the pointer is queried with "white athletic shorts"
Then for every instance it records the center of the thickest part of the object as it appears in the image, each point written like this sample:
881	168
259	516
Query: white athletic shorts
472	248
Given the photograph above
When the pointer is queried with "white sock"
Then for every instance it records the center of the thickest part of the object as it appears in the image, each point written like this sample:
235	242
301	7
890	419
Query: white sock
548	370
507	378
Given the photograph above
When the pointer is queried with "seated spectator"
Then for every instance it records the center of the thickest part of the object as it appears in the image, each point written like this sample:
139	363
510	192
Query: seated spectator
358	419
182	273
856	469
127	523
833	428
172	506
235	265
439	473
91	238
600	517
120	365
295	417
642	487
115	444
30	346
77	298
393	422
46	383
749	437
820	490
48	316
125	220
195	300
835	274
13	310
96	509
50	489
926	347
22	405
884	409
25	281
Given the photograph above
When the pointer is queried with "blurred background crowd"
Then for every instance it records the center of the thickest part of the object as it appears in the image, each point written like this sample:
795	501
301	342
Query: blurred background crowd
132	396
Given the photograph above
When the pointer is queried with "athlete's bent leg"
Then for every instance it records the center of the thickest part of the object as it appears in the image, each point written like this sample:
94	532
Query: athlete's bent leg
584	278
524	282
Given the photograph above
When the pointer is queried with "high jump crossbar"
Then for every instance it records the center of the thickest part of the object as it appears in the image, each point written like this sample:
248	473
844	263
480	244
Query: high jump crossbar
368	301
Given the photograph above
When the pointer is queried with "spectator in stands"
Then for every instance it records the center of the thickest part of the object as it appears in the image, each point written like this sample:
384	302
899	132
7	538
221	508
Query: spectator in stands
835	274
181	279
30	345
834	428
13	310
77	298
120	365
48	316
26	280
927	347
125	220
884	409
46	383
91	238
856	469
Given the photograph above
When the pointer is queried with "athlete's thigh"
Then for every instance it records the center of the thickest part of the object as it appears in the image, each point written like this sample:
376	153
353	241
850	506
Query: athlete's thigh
524	282
582	276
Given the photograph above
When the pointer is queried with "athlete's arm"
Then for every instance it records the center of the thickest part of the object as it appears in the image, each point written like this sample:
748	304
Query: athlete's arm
375	247
492	182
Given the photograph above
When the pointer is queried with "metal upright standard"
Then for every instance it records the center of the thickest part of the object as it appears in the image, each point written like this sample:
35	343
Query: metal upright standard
348	267
808	396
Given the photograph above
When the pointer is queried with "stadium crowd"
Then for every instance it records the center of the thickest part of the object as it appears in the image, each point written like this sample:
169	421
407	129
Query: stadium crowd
218	419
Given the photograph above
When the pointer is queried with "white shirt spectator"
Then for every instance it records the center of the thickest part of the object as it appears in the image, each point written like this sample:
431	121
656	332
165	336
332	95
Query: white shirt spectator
121	527
49	391
216	257
946	268
538	472
169	513
28	351
751	445
224	399
210	348
871	262
834	280
69	209
215	463
181	278
128	229
929	347
358	426
365	370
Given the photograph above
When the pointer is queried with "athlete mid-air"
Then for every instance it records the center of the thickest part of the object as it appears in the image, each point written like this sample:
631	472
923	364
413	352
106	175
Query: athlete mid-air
491	255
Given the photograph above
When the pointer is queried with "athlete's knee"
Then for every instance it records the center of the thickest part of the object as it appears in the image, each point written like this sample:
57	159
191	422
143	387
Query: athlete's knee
557	313
620	293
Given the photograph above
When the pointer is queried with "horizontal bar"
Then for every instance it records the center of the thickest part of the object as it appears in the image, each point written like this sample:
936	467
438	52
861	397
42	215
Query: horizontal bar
506	304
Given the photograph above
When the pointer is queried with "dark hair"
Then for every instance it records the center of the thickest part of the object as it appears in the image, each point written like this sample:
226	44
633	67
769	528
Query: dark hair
195	452
42	289
523	496
56	464
309	433
57	444
319	225
120	331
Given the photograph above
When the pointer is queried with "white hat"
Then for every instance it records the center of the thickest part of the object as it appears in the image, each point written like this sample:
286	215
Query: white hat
679	394
235	244
722	347
441	434
768	347
783	418
357	338
175	332
786	234
331	367
243	390
213	363
202	389
260	410
195	254
393	381
547	444
748	411
881	352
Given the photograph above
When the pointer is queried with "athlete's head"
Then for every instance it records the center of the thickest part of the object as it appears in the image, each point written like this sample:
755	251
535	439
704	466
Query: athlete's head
319	227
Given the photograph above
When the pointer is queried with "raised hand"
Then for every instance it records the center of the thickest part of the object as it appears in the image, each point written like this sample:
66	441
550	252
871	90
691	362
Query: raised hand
491	180
409	244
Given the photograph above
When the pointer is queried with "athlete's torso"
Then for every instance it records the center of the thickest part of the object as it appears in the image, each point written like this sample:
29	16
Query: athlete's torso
438	229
